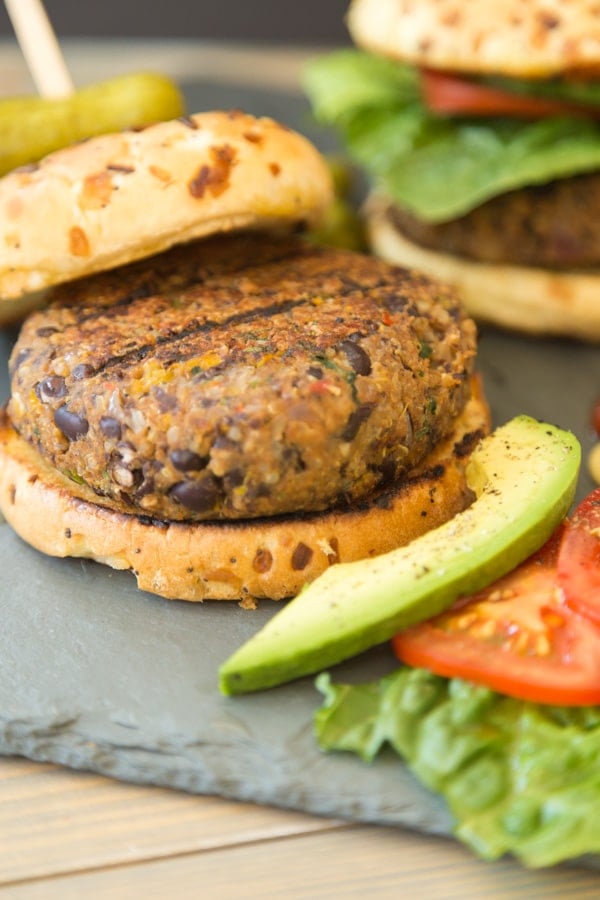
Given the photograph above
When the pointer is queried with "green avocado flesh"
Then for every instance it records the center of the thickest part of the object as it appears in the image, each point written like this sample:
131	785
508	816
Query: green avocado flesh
524	477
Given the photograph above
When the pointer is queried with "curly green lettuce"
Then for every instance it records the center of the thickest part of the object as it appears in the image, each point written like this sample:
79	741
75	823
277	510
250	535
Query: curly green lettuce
438	167
518	777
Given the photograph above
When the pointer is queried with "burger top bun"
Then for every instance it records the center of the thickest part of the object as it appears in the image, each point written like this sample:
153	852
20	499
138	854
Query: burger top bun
536	38
120	197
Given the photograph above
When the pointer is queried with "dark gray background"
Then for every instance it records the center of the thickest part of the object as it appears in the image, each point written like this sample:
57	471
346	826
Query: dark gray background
259	21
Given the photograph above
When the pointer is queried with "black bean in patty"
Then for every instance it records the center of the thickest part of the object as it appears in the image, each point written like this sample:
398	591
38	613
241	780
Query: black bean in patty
242	376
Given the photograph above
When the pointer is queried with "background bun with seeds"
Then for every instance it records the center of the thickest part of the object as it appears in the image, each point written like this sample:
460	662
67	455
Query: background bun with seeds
512	37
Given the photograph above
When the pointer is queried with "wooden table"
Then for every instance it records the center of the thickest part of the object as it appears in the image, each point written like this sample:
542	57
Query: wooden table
70	835
66	834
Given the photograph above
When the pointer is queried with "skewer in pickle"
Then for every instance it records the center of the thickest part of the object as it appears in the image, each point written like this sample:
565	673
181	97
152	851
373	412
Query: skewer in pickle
31	127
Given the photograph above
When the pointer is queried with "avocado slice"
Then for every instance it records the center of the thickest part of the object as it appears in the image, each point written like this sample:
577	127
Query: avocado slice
524	477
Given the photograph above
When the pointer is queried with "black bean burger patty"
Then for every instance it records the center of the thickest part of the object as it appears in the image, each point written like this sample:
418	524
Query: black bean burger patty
551	225
241	377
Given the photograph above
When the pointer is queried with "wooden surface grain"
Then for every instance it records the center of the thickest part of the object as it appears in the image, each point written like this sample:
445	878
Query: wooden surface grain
66	834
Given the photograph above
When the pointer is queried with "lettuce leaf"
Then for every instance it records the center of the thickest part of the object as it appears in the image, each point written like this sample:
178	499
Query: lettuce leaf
570	89
438	168
518	777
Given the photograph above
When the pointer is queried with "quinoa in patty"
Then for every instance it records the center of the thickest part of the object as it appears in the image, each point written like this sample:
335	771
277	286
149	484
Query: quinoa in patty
240	377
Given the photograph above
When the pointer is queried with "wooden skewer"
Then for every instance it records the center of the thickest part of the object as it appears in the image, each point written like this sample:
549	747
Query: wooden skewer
40	47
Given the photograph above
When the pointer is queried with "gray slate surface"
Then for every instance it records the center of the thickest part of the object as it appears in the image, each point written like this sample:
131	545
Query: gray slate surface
97	675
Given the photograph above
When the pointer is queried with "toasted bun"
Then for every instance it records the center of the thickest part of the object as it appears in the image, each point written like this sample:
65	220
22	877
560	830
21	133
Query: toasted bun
120	197
532	300
250	559
510	37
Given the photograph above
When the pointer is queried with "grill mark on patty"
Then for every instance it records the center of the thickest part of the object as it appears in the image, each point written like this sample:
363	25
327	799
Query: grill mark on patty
163	341
151	286
289	375
243	318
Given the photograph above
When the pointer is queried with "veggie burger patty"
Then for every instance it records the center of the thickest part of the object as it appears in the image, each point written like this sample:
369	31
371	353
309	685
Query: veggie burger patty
241	377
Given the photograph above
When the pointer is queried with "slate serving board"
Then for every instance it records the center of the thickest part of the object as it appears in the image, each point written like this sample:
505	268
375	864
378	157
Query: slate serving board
97	675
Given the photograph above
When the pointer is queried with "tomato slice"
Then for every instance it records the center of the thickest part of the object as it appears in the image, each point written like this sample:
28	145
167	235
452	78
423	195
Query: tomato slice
517	637
579	559
450	94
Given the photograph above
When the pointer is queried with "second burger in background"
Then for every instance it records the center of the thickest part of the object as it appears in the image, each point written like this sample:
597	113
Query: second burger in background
478	125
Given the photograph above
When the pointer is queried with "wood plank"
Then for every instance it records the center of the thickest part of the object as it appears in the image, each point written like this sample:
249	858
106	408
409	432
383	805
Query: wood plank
55	821
359	861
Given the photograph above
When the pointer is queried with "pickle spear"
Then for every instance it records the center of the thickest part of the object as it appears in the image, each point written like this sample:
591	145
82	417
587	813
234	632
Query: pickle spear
31	126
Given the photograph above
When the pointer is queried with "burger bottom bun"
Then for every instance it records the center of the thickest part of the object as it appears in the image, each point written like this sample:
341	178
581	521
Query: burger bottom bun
263	558
534	300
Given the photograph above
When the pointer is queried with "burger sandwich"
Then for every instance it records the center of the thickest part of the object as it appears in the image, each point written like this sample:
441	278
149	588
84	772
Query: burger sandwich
207	398
478	123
